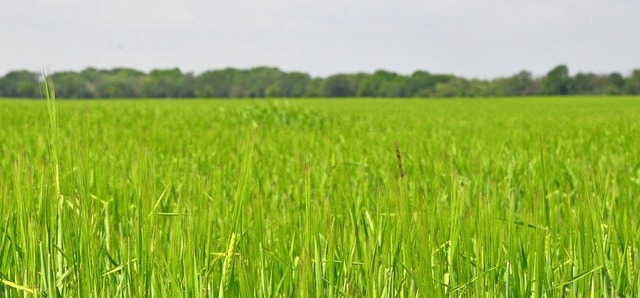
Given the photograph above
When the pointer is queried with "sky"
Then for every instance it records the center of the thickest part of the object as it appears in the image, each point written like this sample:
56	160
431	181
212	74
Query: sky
470	38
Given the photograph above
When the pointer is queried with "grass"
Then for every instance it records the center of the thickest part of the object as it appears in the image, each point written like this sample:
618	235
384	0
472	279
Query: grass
395	198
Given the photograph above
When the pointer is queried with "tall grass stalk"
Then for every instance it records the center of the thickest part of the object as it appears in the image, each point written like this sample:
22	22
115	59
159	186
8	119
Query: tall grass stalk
53	140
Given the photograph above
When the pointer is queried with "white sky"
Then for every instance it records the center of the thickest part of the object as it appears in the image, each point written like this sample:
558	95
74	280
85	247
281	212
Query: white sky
471	38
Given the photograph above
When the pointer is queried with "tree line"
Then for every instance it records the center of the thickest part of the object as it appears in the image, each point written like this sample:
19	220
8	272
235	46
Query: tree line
262	82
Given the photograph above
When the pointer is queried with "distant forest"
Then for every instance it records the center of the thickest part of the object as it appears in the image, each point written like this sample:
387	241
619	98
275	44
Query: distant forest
272	82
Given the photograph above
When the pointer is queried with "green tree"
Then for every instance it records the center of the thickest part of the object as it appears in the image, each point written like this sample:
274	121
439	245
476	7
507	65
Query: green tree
455	87
382	83
589	84
423	84
341	85
120	83
71	84
461	87
257	80
315	88
20	84
272	82
167	83
616	83
557	81
216	83
293	84
519	84
632	84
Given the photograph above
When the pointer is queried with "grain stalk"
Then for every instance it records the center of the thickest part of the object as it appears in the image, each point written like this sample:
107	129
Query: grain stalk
399	159
53	138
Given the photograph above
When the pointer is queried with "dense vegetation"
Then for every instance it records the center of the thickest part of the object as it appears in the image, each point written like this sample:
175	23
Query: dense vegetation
320	198
272	82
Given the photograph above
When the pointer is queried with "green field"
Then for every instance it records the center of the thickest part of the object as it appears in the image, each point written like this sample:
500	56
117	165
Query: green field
305	198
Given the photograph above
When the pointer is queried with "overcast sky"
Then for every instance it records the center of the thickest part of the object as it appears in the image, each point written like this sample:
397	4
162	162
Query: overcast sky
471	38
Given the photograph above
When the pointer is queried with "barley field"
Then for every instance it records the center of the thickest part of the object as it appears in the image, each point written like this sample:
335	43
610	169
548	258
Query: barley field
500	197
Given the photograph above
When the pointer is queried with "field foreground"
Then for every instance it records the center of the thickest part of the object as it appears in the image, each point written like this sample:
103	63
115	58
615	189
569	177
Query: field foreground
308	198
